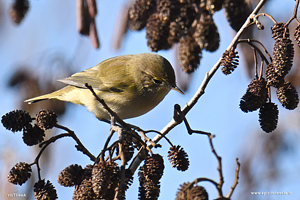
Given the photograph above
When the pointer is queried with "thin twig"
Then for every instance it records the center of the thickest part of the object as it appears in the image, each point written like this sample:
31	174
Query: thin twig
294	16
73	135
255	61
101	154
153	144
201	179
220	169
250	42
265	50
258	23
136	136
110	149
44	145
261	69
267	15
269	92
123	163
157	132
236	179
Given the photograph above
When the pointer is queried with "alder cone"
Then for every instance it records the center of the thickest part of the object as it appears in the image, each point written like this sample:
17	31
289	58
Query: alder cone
255	96
288	96
230	61
279	31
237	12
268	117
189	54
283	54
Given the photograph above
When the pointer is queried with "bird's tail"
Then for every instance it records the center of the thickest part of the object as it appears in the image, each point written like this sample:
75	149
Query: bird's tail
59	94
37	99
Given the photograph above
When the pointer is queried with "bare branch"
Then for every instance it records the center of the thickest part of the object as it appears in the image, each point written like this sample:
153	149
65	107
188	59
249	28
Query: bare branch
236	180
220	170
73	135
294	16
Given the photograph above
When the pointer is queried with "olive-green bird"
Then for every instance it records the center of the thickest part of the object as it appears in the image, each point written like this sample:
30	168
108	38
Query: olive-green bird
131	85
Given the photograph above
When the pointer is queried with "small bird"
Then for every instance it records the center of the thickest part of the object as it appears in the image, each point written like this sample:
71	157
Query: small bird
131	85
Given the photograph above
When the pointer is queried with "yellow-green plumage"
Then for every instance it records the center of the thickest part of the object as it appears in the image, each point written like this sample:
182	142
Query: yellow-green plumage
131	85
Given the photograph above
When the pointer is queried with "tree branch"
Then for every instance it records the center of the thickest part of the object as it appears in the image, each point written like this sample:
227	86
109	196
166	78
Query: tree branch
79	146
236	180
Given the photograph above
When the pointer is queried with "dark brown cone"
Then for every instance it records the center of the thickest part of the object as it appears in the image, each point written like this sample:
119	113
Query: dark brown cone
142	191
33	135
149	176
194	192
273	79
157	33
105	179
255	96
189	54
206	34
44	190
279	31
237	12
268	117
16	120
171	21
180	25
297	35
71	175
230	61
178	158
100	178
148	189
139	13
87	171
18	10
283	54
176	31
198	192
20	173
154	167
182	192
165	10
84	191
46	119
114	179
288	96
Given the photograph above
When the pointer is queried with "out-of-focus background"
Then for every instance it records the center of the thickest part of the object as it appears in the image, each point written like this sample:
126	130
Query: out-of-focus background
46	46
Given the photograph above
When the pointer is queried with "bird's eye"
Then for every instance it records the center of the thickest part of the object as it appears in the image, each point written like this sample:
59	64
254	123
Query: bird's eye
157	81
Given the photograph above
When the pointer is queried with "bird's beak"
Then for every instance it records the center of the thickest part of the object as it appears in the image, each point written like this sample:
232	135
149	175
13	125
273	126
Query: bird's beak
177	89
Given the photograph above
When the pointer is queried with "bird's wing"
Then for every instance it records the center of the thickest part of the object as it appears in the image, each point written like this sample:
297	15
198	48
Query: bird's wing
81	78
106	76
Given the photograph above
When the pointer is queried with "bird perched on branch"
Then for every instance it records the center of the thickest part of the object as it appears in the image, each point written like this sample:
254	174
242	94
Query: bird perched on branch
131	85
